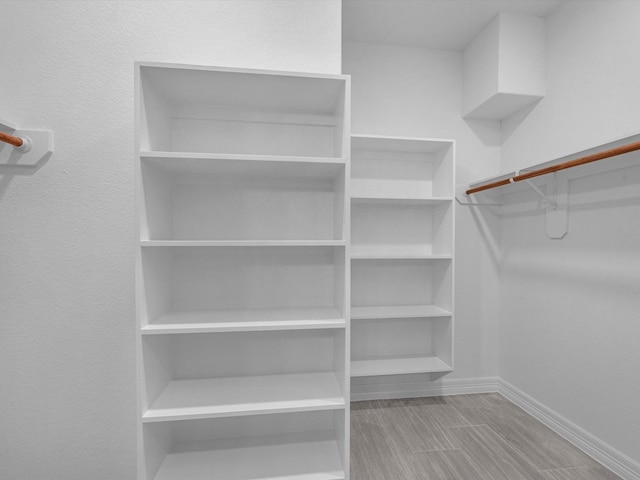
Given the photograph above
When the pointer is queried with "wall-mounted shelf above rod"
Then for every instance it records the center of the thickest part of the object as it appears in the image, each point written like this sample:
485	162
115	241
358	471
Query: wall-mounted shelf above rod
545	169
550	180
22	152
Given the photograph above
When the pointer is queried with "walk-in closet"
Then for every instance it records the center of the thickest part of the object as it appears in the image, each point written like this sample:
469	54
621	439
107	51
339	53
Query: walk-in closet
319	240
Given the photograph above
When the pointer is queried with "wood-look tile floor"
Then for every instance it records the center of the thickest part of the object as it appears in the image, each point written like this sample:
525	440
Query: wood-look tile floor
463	437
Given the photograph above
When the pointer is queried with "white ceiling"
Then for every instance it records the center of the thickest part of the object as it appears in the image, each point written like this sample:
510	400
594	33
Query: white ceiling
439	24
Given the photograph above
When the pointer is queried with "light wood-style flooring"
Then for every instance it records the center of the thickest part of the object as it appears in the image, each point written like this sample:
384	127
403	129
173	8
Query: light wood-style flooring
462	437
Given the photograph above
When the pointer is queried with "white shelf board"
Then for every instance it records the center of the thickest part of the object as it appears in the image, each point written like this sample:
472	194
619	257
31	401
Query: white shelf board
261	90
245	320
372	190
247	395
161	156
245	166
242	243
242	459
398	311
398	366
394	198
398	144
379	252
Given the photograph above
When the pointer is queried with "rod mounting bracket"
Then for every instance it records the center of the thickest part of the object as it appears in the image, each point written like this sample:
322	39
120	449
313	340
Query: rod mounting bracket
36	148
548	200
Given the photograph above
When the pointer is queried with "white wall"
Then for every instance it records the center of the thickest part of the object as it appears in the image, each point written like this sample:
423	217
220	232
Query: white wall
570	307
407	91
592	84
67	324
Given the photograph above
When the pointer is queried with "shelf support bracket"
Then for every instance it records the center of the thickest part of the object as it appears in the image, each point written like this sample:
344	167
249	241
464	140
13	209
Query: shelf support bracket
548	200
36	149
557	218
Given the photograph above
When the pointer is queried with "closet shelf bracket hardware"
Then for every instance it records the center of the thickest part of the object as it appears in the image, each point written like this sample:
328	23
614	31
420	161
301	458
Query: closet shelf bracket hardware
21	144
22	152
551	203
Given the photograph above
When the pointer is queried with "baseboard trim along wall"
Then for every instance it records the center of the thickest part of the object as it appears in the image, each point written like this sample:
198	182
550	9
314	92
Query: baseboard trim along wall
376	391
600	451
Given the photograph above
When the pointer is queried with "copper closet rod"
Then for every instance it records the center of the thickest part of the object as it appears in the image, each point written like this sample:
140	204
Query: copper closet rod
11	140
561	166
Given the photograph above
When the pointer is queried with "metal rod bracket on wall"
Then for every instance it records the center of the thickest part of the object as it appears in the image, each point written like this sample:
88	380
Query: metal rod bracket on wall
548	200
557	218
35	149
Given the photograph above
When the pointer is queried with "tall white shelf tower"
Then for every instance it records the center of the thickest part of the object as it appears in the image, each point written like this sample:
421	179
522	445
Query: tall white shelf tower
402	245
243	267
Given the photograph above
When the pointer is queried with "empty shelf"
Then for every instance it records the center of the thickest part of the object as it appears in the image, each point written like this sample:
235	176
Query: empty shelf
398	311
242	243
256	459
398	366
394	197
160	156
247	395
245	320
247	166
394	191
361	252
385	143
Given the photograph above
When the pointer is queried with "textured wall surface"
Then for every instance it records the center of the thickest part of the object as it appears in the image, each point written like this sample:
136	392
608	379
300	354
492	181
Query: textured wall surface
67	350
569	319
592	79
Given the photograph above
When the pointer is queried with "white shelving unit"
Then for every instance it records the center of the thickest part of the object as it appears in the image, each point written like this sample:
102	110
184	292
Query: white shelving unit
242	273
402	237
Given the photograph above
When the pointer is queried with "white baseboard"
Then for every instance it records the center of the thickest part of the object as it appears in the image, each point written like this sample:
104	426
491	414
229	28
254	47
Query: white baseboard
453	386
601	452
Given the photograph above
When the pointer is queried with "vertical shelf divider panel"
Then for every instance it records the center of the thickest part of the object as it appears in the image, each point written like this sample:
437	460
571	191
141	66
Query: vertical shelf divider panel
402	259
243	289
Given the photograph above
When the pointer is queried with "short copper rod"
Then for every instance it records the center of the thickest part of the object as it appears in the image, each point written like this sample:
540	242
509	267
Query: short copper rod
11	140
489	186
631	147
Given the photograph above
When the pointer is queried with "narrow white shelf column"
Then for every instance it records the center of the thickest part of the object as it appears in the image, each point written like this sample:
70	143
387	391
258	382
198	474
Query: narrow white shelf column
402	262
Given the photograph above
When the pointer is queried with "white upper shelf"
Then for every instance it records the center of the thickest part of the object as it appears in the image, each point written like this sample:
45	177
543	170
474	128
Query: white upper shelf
242	243
398	144
186	156
254	166
246	88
